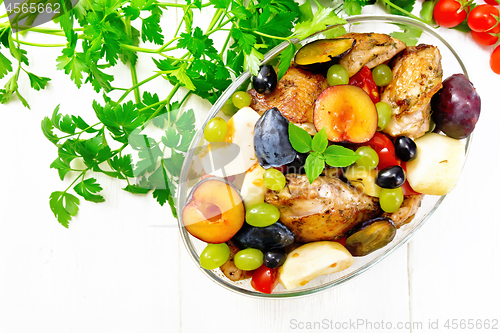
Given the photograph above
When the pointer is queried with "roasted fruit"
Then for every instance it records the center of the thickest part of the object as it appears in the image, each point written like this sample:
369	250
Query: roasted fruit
363	179
370	236
391	177
347	113
311	260
215	212
272	146
438	164
319	55
266	80
253	188
456	107
275	236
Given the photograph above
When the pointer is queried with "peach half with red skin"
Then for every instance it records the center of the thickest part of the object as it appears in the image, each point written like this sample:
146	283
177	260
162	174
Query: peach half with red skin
347	114
215	212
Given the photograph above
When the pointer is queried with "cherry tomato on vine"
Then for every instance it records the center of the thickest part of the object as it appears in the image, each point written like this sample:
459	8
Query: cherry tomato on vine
265	279
449	13
485	38
495	60
481	18
492	2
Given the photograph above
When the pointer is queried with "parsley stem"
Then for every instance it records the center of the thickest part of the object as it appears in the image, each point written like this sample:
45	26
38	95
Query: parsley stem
39	45
170	4
270	36
74	181
138	49
137	85
167	44
137	93
165	101
389	3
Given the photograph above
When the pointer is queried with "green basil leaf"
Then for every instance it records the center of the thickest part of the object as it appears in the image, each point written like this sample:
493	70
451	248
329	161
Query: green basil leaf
338	156
299	138
320	141
315	164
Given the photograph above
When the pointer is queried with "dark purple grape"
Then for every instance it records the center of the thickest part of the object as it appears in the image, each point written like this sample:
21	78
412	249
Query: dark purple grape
370	236
391	177
266	80
406	149
456	107
272	146
274	258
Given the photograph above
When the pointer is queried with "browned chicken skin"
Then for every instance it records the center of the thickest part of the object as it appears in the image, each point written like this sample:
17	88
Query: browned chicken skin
370	50
407	211
323	210
294	96
417	76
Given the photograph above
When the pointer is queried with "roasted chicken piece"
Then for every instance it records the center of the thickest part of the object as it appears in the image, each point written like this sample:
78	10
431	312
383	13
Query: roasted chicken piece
416	76
294	96
370	50
407	211
323	210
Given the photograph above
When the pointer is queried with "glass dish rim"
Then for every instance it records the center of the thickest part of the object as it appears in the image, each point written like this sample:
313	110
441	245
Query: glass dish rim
222	100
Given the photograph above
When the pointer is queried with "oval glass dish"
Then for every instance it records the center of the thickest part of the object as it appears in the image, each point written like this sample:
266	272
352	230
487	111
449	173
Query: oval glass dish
191	171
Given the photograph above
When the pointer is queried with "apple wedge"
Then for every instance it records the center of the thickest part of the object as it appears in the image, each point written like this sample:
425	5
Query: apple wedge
311	260
347	113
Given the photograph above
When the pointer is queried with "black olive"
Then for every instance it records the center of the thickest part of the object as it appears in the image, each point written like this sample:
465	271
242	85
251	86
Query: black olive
406	149
391	177
274	258
275	236
265	82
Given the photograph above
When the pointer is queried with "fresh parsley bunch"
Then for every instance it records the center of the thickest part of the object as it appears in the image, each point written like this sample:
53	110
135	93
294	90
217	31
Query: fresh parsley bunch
97	35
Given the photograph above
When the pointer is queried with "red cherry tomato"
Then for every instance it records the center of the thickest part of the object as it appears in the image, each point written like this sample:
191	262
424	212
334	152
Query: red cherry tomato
492	2
385	150
481	18
485	38
341	241
364	80
265	279
449	13
387	157
495	60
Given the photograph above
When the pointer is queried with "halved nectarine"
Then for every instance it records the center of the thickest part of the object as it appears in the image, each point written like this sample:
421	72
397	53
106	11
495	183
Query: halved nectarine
215	212
347	113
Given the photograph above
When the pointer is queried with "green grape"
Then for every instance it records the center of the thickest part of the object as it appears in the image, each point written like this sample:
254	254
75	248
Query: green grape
336	75
274	179
391	200
384	111
262	215
382	75
241	99
368	159
216	130
432	126
249	259
214	255
228	108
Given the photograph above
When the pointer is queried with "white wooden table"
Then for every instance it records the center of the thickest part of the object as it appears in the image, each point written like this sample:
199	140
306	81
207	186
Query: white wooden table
114	271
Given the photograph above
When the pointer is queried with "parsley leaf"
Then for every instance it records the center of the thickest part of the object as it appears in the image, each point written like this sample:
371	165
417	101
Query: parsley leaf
322	18
409	35
5	65
64	206
286	57
37	82
87	189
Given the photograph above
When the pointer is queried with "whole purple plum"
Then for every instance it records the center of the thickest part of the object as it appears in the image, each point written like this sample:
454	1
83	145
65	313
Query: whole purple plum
456	107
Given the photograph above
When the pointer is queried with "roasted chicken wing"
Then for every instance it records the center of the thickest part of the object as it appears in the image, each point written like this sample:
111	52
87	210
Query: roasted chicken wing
323	210
416	77
370	50
294	96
